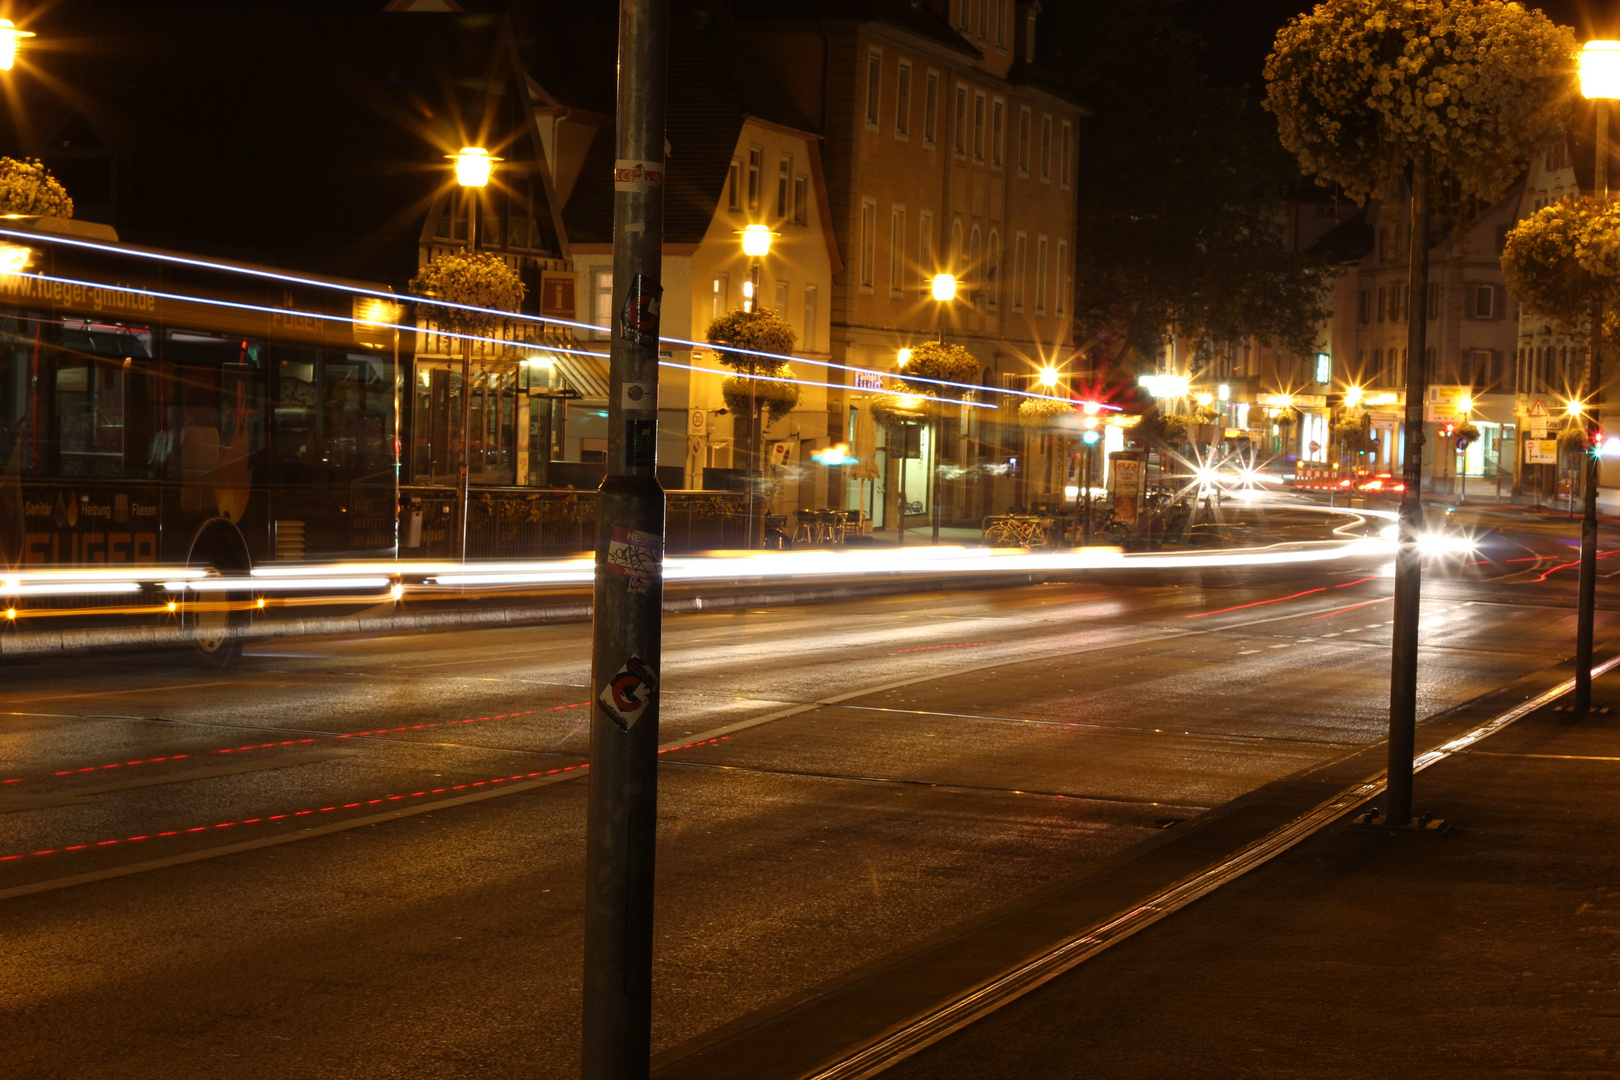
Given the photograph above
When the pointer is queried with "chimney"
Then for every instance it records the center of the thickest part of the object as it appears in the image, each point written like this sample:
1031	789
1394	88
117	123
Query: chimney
1024	31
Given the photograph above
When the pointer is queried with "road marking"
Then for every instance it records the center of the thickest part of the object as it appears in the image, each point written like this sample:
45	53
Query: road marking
1248	652
1284	645
1015	983
14	801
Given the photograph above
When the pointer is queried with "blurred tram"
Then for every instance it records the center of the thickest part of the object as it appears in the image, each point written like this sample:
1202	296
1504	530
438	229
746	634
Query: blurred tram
161	409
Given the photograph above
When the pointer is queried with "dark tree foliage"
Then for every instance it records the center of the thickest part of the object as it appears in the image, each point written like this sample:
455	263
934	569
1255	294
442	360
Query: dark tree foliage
1181	192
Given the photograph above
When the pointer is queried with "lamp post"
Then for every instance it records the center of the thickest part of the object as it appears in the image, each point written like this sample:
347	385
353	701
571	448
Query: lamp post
756	244
1600	83
943	288
473	166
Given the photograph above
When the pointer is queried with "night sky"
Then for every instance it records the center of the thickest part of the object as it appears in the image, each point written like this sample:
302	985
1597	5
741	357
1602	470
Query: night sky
1240	32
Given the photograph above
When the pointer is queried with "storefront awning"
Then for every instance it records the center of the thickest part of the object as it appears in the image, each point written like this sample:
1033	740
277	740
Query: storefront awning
587	374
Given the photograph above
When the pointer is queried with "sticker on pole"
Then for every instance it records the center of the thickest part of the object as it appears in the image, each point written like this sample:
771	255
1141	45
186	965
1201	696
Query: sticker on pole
638	397
628	694
638	321
632	175
636	555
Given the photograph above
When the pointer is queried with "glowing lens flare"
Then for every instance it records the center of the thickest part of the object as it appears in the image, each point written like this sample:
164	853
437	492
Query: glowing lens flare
1599	68
10	38
473	165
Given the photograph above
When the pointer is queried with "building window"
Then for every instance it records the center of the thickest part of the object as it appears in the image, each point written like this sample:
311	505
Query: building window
720	302
734	185
1383	303
902	102
1020	253
984	20
1001	24
868	243
1046	148
874	83
1066	148
992	272
1366	306
925	250
1040	275
602	302
962	15
784	186
978	126
970	265
801	198
897	251
931	109
782	298
756	165
998	132
1060	275
1484	302
808	339
1023	141
960	122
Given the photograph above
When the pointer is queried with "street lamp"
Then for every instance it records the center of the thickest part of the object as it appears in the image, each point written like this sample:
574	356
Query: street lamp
903	357
944	289
756	244
10	38
1600	83
473	166
1049	377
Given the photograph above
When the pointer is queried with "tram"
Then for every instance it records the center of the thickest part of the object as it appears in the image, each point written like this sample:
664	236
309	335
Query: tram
161	409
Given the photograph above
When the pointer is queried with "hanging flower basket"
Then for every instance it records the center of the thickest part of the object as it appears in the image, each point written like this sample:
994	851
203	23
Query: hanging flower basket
946	363
903	406
1043	412
475	279
774	398
27	187
757	331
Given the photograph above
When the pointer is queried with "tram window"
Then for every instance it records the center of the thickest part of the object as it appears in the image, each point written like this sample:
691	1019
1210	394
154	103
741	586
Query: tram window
294	448
357	403
19	356
99	403
212	412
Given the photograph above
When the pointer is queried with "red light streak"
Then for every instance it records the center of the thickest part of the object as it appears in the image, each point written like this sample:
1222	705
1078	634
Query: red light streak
1565	566
1352	607
380	800
297	742
1358	581
962	645
1257	603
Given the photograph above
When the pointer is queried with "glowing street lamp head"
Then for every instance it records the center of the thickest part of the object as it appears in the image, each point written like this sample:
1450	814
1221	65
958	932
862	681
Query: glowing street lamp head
944	287
1049	377
756	241
1600	69
1352	396
1206	399
10	37
1465	405
904	356
1573	408
473	165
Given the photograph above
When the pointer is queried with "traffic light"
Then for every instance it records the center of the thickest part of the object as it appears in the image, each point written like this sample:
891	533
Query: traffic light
1090	437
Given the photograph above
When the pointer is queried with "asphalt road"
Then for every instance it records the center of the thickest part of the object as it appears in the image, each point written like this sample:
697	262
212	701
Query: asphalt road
362	857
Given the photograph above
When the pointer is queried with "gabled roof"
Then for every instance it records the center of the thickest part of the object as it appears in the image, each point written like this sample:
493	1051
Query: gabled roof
717	81
915	18
1347	242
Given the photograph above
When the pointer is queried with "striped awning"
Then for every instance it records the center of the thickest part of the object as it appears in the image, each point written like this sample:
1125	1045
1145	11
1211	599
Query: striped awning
585	373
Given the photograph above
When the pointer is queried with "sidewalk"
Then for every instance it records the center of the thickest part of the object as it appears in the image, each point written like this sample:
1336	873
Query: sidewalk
1491	950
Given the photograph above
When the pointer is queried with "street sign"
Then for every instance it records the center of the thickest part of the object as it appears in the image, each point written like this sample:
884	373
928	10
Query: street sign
699	422
1538	411
1541	451
557	292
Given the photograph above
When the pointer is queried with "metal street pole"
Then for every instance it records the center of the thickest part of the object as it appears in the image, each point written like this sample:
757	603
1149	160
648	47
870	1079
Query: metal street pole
1586	587
1408	561
1086	528
464	474
625	649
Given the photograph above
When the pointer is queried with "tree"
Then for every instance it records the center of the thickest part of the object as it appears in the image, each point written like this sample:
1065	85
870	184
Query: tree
483	287
1180	193
1374	94
27	187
